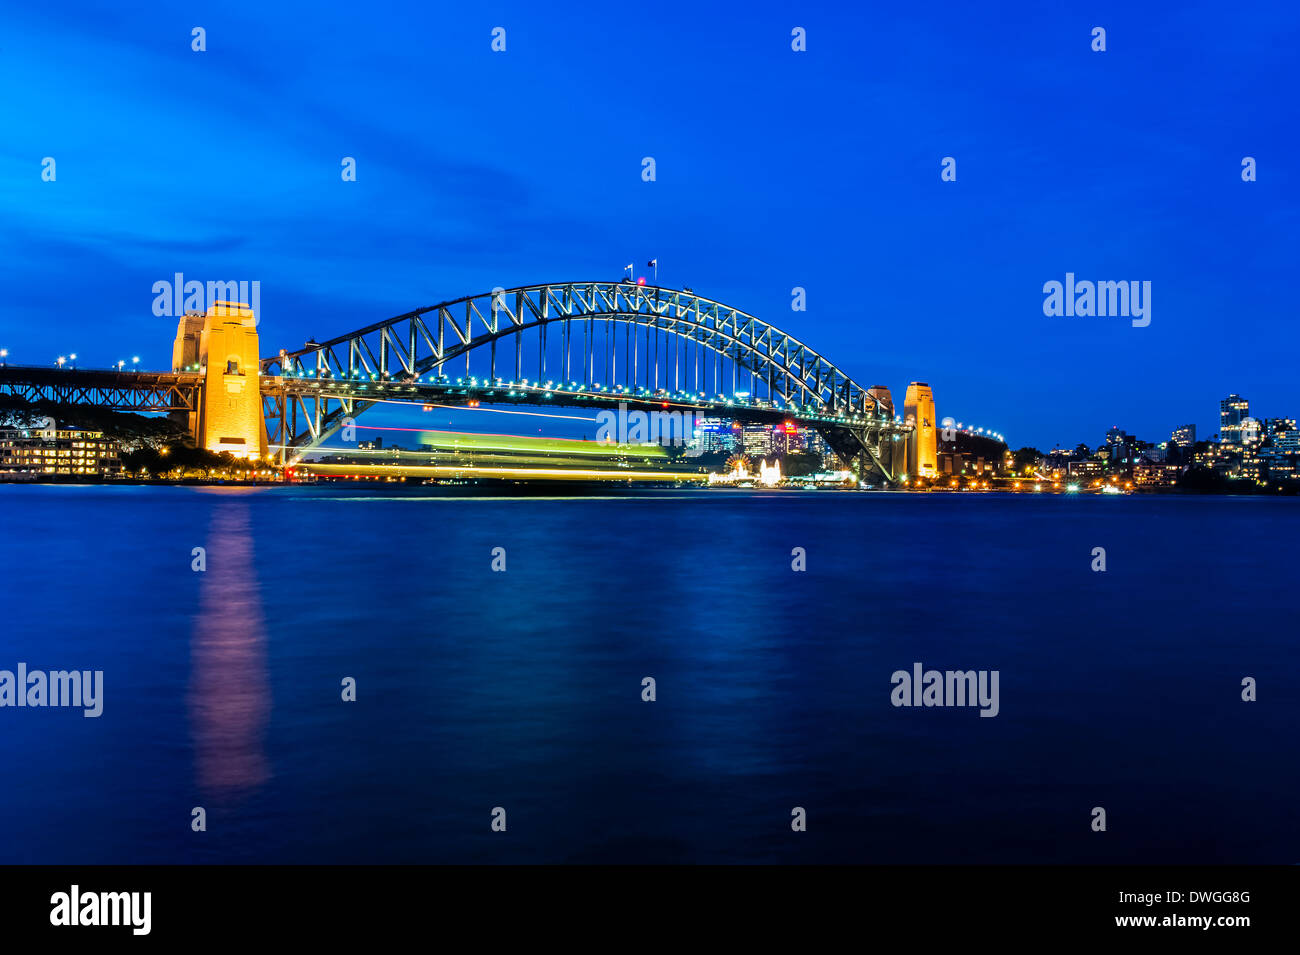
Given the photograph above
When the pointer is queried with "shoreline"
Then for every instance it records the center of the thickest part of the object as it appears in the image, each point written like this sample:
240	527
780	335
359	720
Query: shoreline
487	487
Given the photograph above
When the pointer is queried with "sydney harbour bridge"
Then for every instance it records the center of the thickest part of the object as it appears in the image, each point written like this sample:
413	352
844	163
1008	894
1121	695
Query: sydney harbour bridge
594	345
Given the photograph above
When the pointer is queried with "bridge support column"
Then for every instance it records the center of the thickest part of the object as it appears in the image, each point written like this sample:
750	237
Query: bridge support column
223	342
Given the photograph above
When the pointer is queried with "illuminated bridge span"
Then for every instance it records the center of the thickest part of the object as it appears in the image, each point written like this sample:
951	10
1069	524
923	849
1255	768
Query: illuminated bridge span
139	391
587	344
595	345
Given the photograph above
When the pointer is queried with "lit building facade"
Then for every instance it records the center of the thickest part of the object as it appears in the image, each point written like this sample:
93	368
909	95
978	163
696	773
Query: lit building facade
1277	426
715	434
1184	437
1252	432
67	451
1280	465
1156	474
1287	440
757	440
1232	410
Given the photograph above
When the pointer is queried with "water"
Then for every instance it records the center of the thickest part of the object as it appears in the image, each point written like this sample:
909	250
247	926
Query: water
523	689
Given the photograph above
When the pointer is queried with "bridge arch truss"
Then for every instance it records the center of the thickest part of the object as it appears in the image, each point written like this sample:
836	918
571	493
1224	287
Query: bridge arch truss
615	338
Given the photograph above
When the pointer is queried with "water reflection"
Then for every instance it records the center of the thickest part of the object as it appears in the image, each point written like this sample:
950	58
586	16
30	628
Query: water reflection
230	692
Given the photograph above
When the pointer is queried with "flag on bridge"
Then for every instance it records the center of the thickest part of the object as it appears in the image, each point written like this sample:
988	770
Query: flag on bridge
653	263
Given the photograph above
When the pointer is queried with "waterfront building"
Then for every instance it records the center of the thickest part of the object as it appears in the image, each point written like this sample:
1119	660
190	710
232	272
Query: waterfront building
1055	464
1280	465
1121	449
1155	474
30	452
1184	437
1086	470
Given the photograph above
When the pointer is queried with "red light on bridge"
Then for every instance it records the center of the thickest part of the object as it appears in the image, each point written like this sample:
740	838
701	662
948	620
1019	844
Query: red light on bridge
641	280
664	405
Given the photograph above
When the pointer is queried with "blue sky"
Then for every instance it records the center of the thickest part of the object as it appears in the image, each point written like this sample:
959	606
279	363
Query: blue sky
775	169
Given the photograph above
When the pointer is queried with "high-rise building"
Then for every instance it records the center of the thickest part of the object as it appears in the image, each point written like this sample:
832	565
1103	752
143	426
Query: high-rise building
757	439
800	439
787	438
922	443
715	434
1232	410
1185	437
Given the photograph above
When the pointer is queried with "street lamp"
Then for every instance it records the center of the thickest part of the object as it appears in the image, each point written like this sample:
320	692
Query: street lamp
120	364
60	360
135	360
4	353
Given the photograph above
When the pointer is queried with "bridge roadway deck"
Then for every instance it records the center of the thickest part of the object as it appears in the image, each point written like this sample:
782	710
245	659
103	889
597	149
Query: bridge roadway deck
461	393
139	391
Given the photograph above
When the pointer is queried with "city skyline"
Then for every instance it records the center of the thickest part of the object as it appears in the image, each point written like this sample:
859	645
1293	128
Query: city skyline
907	277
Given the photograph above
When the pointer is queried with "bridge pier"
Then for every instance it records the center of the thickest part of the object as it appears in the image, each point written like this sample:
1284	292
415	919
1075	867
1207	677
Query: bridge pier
223	344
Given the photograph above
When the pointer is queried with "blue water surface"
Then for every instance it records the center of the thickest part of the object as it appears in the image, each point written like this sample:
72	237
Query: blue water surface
523	690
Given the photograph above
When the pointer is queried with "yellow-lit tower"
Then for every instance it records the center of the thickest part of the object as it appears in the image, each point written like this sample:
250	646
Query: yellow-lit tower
223	343
922	444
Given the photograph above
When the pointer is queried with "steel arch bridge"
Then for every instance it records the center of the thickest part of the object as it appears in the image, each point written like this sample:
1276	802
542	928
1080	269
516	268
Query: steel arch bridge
589	344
